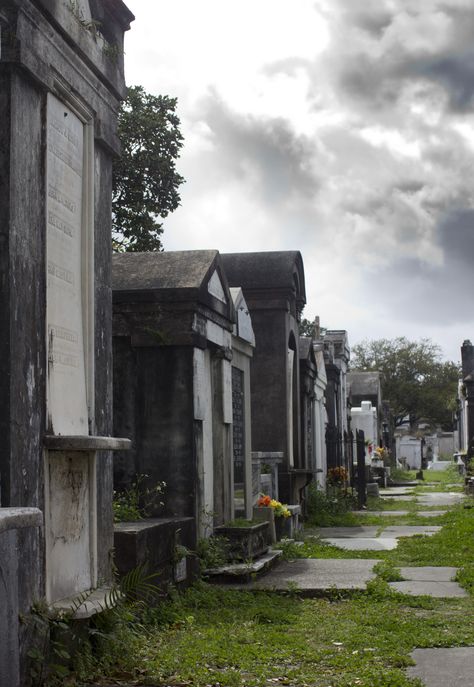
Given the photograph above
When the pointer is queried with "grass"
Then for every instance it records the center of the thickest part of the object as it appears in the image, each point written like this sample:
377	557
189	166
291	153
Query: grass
441	480
212	637
215	637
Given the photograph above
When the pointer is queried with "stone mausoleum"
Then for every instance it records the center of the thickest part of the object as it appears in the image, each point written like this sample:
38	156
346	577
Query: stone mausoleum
174	373
61	83
274	288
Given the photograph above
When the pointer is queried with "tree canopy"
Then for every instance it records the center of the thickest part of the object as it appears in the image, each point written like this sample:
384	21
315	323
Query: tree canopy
416	382
308	328
145	180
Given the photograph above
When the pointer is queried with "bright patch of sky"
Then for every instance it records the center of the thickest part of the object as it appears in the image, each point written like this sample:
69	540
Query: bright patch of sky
341	129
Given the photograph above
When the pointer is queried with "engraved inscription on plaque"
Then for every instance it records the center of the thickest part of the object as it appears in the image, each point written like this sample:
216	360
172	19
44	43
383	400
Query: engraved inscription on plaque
67	389
238	437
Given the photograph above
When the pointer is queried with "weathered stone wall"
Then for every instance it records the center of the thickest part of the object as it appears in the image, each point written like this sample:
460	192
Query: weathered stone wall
46	50
153	400
269	424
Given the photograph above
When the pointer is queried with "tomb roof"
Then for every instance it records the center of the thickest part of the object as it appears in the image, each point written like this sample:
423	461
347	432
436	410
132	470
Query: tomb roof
191	276
266	270
364	382
185	269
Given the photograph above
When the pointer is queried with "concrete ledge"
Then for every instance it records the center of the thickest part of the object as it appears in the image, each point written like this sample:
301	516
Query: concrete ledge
17	518
268	455
85	443
95	601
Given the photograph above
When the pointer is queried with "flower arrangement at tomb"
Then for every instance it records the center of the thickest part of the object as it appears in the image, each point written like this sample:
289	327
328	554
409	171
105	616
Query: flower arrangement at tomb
381	453
279	509
337	475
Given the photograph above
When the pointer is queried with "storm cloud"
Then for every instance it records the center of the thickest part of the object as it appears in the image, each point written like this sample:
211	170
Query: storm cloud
341	129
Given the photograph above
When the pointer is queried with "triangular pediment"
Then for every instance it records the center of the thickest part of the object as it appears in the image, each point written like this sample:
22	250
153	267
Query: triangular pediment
215	287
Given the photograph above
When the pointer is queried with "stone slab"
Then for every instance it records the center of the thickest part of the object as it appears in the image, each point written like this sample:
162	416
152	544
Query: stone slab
443	667
431	513
311	577
396	491
426	588
429	573
363	544
404	485
409	530
244	571
382	513
401	513
403	497
343	532
439	498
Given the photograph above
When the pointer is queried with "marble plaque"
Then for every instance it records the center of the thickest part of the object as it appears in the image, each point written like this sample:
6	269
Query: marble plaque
67	395
69	524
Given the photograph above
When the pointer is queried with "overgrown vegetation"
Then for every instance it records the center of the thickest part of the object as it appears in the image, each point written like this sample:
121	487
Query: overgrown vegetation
330	508
138	501
213	552
65	650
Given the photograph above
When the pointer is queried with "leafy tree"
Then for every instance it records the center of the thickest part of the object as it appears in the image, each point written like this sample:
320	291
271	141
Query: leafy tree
145	180
307	328
415	381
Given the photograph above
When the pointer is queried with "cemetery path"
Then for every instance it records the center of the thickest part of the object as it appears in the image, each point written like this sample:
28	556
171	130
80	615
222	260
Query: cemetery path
323	629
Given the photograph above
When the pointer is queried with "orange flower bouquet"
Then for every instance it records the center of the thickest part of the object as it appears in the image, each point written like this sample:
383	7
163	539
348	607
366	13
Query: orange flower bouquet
280	510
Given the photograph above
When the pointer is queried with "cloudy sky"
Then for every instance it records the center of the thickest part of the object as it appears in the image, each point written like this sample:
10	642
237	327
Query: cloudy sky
340	128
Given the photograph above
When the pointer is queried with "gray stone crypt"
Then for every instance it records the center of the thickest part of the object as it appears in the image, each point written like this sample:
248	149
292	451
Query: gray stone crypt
61	82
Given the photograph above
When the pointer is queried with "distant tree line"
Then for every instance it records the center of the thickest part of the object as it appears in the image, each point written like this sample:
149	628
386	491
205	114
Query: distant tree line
416	382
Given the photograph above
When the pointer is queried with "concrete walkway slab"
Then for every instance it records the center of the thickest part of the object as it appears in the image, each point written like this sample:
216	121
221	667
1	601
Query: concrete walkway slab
382	513
363	544
343	532
429	573
444	667
440	498
396	491
431	513
368	538
429	581
401	513
409	530
442	590
311	577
